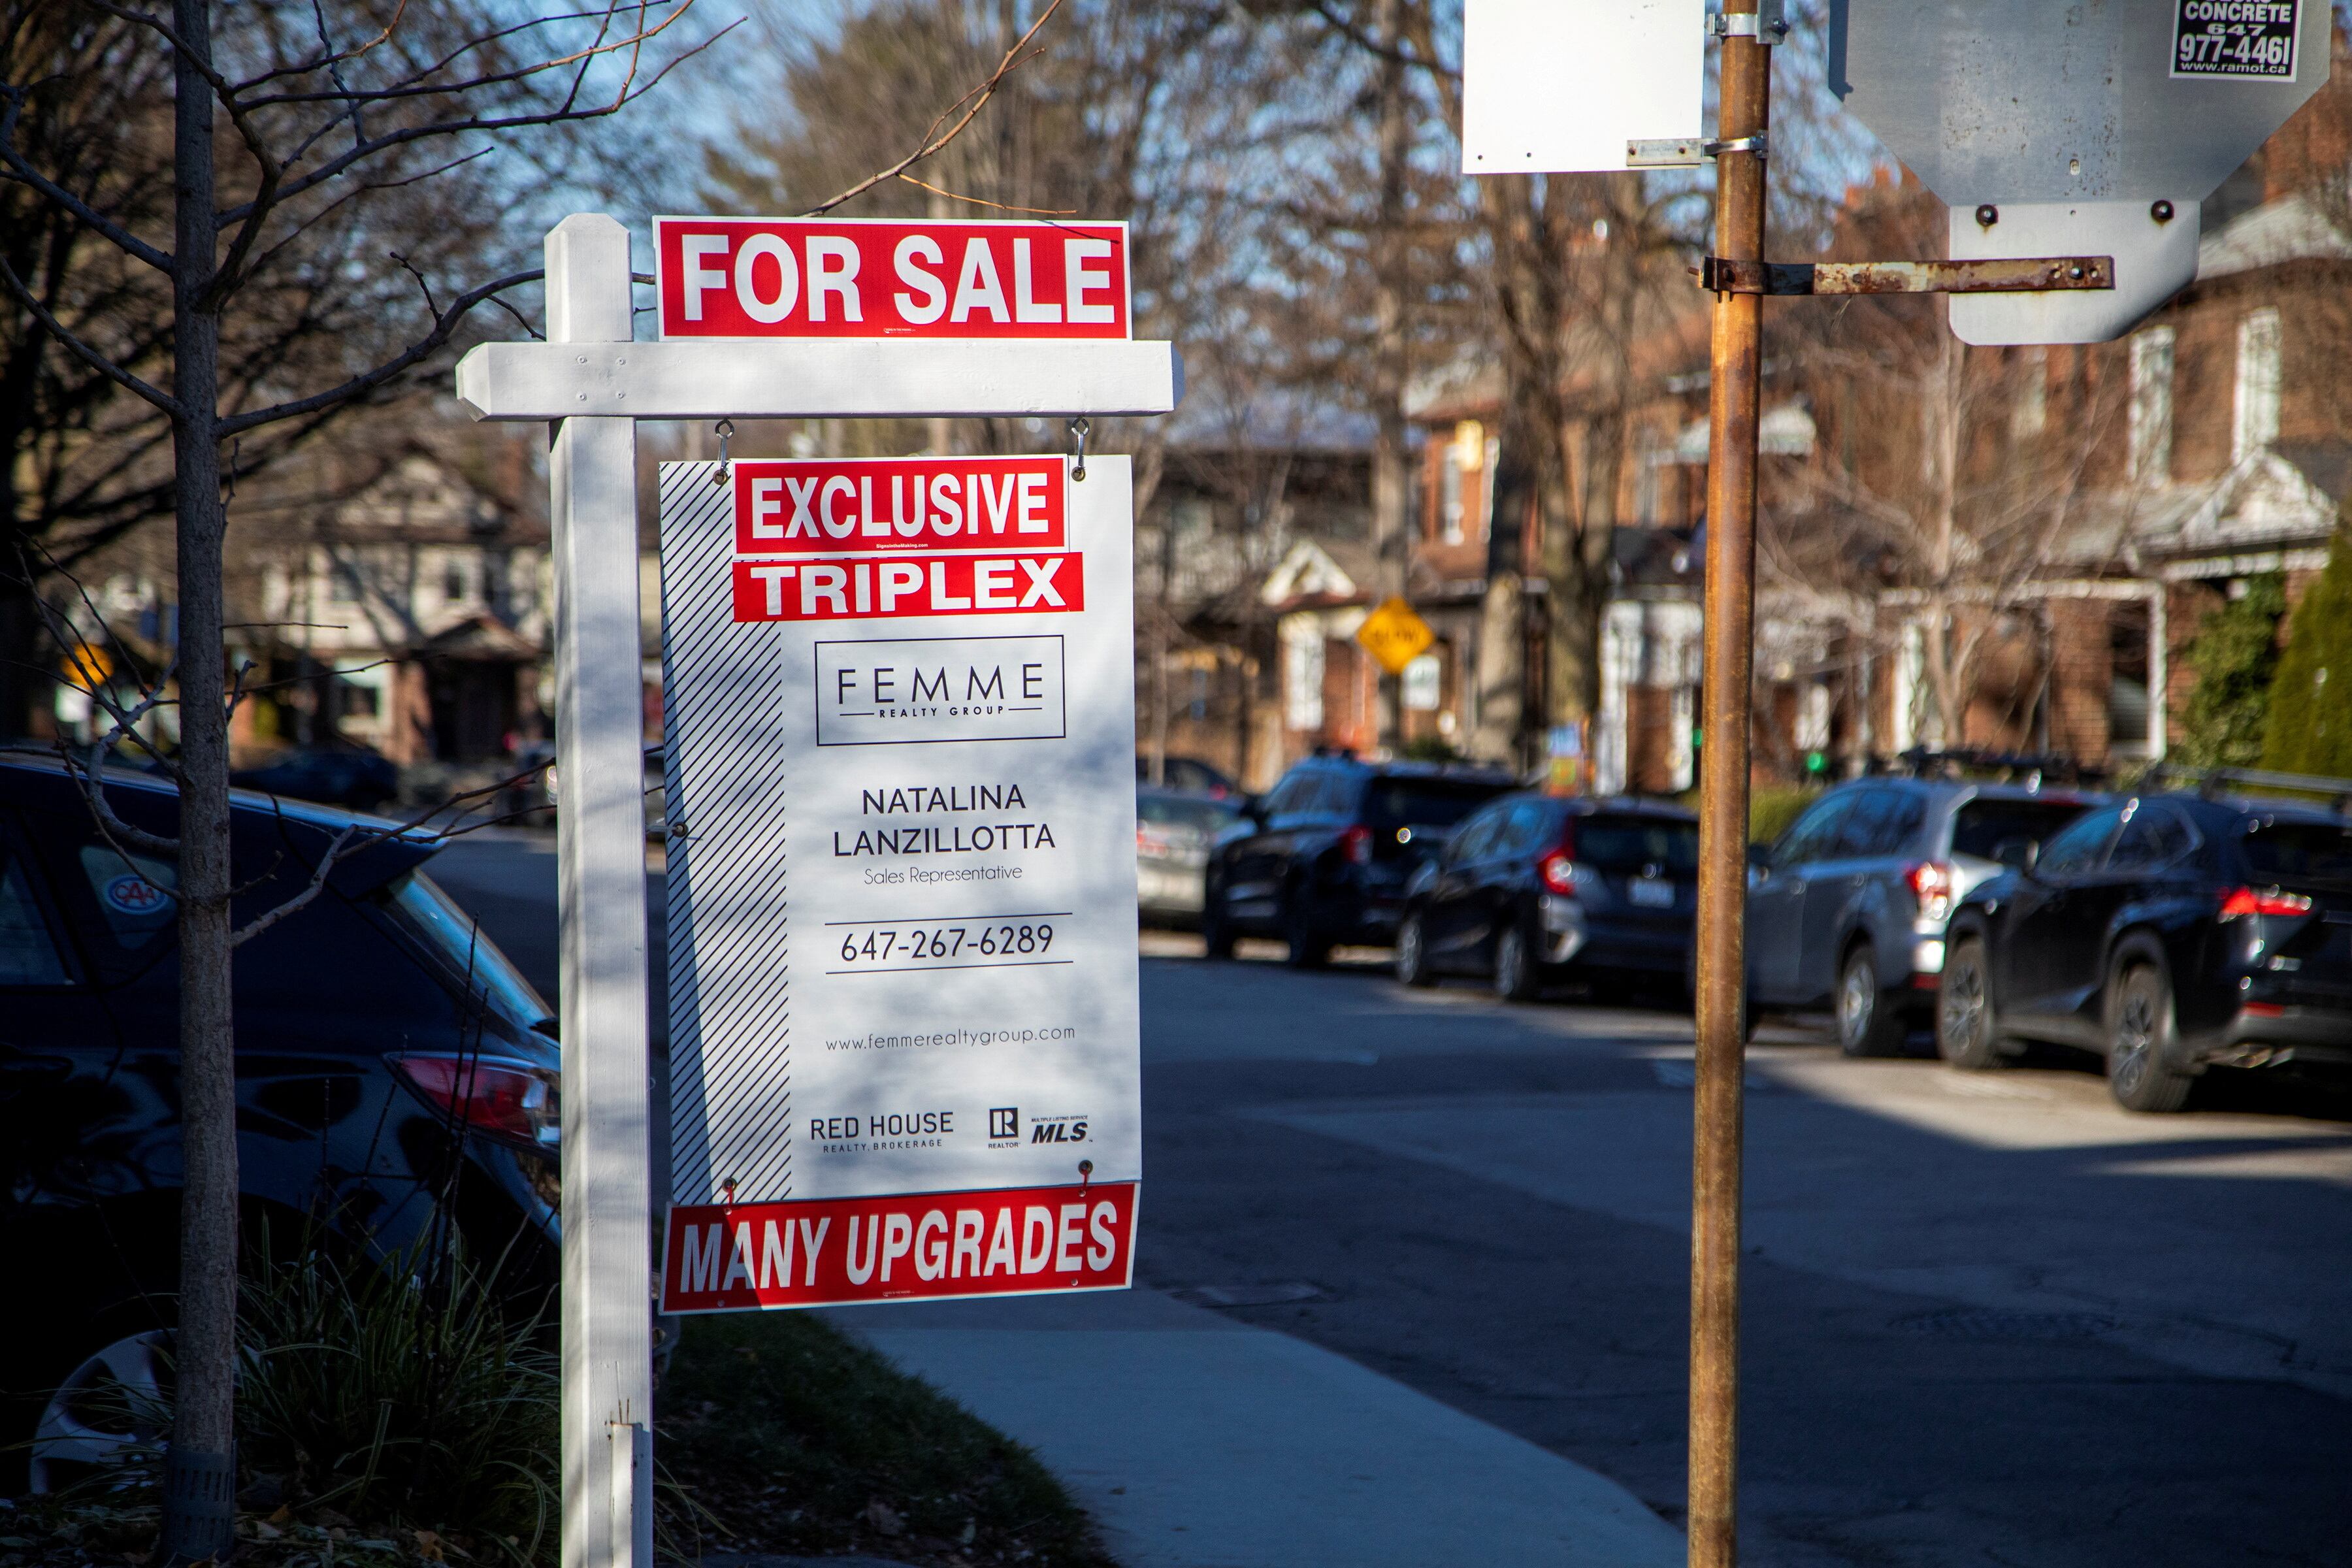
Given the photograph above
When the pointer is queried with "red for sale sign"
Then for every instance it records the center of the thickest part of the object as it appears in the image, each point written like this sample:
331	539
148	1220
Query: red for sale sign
884	278
837	506
1013	1241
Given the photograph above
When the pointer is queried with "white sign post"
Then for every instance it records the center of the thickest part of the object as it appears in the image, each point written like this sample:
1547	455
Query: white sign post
584	382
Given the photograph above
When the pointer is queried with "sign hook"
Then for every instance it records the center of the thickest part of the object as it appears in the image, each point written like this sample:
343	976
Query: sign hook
726	429
1079	428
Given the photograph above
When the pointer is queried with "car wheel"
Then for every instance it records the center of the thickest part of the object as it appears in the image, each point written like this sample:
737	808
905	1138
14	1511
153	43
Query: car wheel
1216	927
2139	1037
1413	952
1966	1033
114	1405
1308	949
1866	1025
1515	970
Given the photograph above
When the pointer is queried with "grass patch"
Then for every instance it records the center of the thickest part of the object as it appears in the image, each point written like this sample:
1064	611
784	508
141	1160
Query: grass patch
790	1437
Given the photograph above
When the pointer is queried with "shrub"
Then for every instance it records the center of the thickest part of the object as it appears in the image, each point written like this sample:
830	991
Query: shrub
2235	655
2310	725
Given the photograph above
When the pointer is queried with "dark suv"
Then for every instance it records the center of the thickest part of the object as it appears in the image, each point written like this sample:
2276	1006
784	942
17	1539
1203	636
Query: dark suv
2170	933
1323	859
1849	907
390	1066
1536	886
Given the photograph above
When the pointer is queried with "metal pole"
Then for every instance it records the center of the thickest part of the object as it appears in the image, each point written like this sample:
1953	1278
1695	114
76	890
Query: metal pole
1723	815
601	861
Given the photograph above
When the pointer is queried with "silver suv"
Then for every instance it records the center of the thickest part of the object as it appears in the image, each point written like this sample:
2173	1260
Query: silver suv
1847	910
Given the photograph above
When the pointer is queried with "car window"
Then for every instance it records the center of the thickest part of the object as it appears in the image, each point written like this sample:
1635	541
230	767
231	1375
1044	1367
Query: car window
136	893
1629	844
2155	836
1813	833
1423	802
28	951
1524	827
1336	798
1205	817
1288	795
1982	825
1869	827
1470	839
2294	851
2078	849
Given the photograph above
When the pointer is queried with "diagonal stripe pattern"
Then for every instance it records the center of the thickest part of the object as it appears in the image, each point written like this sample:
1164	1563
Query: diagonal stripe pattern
724	740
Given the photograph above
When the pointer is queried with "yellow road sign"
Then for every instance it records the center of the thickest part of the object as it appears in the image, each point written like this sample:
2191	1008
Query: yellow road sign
1395	636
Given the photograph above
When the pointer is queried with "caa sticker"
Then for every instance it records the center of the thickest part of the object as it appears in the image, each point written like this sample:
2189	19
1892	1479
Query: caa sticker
135	895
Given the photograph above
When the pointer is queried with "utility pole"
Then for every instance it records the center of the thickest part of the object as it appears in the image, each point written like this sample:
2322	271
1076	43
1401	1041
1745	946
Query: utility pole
1733	399
1392	254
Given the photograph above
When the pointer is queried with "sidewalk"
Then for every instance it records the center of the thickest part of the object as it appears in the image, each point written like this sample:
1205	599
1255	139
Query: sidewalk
1200	1442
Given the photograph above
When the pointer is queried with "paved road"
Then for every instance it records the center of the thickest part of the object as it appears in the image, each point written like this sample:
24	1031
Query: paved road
1990	1319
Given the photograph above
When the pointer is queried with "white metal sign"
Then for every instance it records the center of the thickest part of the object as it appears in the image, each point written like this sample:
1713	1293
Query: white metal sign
1551	86
2054	130
899	712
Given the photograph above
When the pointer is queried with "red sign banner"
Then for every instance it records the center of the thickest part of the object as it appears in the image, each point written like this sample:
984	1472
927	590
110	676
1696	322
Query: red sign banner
845	506
887	277
889	588
1017	1241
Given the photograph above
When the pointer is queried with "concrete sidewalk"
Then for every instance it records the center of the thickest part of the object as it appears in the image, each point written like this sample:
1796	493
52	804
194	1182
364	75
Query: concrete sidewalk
1200	1442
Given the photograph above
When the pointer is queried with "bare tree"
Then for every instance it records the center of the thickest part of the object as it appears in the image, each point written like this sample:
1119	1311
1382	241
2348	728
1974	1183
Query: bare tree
281	133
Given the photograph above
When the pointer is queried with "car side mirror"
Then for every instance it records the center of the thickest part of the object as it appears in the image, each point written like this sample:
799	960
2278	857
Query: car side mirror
2018	853
1254	808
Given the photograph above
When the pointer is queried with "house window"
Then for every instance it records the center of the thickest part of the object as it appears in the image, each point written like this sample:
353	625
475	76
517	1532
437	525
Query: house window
456	585
2151	406
2256	424
2030	412
343	581
1449	497
1302	673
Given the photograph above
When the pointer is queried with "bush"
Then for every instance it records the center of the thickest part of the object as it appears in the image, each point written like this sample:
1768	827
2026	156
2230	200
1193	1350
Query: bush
1771	808
2235	655
402	1394
2310	727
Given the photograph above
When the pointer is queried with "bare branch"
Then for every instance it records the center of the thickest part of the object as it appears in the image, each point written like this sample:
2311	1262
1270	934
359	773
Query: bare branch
263	921
980	202
388	371
162	400
24	174
932	140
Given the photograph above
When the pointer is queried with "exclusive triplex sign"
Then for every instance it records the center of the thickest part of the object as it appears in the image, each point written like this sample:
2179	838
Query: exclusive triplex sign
887	277
900	710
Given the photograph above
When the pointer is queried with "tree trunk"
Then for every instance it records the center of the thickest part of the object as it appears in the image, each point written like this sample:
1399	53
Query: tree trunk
200	1481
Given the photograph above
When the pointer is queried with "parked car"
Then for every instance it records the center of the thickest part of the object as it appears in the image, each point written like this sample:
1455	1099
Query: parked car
1173	830
390	1064
1534	888
1848	909
352	776
2170	933
1324	858
1190	775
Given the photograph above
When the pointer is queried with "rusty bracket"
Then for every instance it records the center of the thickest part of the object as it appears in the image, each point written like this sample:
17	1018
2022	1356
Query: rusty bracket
2021	275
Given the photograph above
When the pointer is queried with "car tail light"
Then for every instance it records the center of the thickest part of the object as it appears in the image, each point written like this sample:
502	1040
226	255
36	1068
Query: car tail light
1932	883
512	1101
2254	901
1559	873
1356	843
1147	842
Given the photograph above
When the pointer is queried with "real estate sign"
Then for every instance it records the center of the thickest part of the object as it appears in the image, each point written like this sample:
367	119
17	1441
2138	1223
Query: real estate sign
900	732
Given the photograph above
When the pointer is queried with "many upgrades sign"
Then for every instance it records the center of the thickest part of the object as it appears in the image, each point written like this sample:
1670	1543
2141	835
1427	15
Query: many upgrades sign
900	726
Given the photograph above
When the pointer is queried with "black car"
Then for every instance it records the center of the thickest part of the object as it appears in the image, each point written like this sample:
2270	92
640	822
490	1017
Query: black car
1534	888
1324	858
2170	933
328	776
391	1066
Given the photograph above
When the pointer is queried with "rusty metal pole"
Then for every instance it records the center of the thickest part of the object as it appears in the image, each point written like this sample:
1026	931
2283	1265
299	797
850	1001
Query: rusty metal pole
1723	811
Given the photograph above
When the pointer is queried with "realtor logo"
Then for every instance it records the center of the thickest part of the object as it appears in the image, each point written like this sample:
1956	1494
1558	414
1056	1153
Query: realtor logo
905	690
1005	1122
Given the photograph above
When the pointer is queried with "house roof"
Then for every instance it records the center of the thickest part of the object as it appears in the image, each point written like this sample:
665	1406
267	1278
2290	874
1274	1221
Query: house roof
2293	228
1320	573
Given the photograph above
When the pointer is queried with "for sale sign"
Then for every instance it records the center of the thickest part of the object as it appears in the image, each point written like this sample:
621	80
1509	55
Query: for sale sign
882	278
899	710
2253	39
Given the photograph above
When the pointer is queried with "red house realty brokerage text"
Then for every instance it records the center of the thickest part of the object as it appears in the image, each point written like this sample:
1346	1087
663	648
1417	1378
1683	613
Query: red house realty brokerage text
1018	1241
